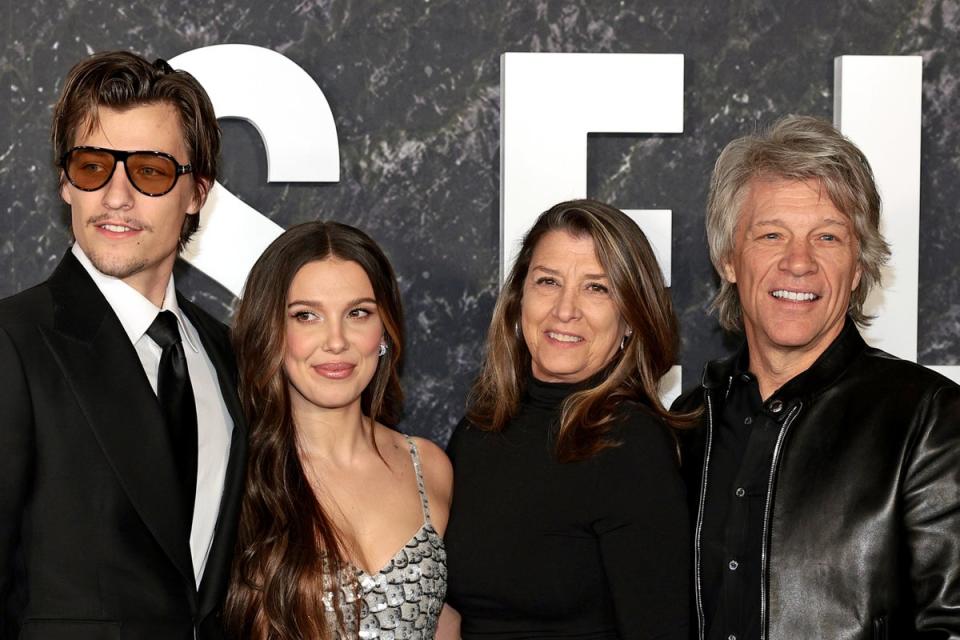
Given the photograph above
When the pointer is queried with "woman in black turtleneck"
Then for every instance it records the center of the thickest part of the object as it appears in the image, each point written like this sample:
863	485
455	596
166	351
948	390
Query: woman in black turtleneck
568	518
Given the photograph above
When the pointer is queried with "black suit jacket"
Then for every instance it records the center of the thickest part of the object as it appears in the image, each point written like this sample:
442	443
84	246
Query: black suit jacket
91	542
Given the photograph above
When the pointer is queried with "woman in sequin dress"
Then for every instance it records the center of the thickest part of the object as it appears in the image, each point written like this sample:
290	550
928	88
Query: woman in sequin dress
342	517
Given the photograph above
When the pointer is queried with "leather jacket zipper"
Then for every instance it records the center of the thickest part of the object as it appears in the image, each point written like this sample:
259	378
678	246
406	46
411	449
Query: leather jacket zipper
764	541
703	495
766	516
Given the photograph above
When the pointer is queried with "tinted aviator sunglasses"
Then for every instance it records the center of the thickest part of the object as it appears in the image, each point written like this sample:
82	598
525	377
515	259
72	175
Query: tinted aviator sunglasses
152	173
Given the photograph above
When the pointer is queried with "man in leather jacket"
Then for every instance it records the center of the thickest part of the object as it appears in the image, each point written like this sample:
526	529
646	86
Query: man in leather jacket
825	475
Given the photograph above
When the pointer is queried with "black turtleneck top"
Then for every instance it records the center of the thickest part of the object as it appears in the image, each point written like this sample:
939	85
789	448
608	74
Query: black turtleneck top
591	549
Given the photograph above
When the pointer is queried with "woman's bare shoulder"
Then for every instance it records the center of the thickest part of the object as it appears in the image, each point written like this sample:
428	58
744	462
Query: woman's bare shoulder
437	470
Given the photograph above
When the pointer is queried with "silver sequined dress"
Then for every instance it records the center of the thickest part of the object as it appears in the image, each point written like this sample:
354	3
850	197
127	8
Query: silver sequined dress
403	600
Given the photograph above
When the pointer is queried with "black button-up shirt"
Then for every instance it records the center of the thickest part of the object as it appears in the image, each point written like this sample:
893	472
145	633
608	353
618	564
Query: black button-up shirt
732	535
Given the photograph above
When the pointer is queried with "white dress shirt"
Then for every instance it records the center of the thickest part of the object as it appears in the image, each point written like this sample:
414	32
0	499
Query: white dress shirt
214	425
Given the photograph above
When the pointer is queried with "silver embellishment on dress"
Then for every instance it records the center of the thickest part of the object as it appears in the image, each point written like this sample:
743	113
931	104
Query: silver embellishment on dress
403	600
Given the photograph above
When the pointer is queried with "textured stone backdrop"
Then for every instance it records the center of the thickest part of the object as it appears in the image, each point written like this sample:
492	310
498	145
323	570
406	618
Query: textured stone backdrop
414	89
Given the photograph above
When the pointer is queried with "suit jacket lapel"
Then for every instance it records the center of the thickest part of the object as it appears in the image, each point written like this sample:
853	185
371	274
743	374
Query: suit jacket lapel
217	570
114	394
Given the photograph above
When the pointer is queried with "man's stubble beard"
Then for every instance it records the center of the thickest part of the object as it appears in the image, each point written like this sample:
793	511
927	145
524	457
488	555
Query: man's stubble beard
118	267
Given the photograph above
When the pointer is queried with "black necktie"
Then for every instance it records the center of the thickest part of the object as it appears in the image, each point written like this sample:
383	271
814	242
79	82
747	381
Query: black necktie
176	400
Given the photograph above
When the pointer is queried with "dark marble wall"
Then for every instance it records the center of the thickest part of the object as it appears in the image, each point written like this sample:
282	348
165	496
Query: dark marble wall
414	89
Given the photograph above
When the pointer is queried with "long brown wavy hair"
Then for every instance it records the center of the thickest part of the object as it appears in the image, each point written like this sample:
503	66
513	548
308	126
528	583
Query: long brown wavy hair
288	550
634	372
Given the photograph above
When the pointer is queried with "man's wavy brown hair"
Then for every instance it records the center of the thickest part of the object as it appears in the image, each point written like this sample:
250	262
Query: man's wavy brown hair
122	80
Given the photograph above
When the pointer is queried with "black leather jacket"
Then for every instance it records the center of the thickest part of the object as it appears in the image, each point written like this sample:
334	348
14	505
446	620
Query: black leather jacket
862	524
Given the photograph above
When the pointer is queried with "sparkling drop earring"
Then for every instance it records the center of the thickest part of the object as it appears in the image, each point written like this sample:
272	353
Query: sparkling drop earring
382	351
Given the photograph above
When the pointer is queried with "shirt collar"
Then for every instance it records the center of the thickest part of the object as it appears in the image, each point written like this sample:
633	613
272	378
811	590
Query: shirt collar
134	311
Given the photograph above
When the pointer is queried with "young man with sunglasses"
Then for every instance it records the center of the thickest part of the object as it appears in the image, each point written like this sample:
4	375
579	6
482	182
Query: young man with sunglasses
122	442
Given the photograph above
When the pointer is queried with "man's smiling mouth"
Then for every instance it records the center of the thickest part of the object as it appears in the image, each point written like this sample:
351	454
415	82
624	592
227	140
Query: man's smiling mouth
794	296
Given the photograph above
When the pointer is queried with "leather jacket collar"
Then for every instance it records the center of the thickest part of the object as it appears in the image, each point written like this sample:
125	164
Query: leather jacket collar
821	374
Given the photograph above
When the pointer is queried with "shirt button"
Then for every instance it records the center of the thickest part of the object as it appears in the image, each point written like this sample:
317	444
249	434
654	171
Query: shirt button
733	565
748	420
740	492
776	406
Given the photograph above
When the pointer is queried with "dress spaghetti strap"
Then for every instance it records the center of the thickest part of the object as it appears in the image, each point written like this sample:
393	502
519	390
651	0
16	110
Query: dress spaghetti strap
415	454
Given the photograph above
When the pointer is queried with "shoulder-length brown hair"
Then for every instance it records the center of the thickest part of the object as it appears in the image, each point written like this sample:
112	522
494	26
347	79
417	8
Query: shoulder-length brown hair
795	148
634	372
288	549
